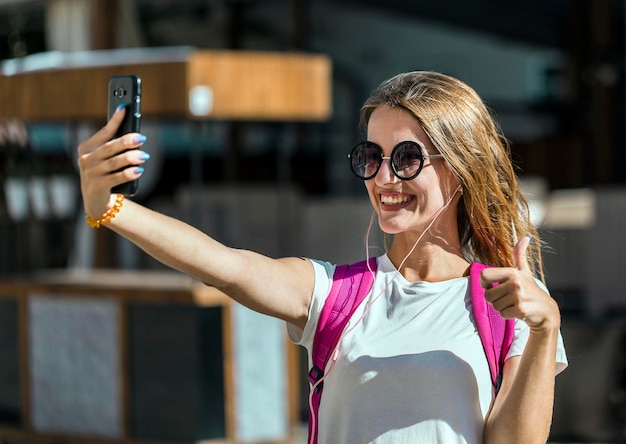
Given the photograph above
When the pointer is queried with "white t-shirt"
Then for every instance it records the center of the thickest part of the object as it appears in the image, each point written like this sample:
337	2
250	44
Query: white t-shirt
412	370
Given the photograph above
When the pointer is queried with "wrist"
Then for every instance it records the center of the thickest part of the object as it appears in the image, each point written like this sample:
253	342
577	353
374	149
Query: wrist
546	329
550	322
113	207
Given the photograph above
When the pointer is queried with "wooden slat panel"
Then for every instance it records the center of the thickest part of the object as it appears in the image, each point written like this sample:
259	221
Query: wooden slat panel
81	93
245	86
264	85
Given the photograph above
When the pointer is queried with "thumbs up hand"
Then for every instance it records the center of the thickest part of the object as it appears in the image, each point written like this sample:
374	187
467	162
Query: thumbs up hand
514	292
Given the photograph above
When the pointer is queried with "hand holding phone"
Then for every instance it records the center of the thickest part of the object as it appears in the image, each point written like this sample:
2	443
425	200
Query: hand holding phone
126	90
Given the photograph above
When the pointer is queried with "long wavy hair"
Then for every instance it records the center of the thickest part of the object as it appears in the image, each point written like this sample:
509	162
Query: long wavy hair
492	212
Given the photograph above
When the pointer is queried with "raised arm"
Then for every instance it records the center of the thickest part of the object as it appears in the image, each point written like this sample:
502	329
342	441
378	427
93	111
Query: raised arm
277	287
522	411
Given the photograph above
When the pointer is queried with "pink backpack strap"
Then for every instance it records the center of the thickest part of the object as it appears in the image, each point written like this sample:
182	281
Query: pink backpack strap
496	333
351	284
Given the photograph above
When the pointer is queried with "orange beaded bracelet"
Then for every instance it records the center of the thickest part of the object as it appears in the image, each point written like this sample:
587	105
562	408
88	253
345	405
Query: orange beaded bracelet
106	217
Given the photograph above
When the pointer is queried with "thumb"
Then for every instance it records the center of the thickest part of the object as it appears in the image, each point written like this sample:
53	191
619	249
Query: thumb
519	253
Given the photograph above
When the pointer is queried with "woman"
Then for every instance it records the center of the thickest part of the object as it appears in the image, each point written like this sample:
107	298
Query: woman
412	368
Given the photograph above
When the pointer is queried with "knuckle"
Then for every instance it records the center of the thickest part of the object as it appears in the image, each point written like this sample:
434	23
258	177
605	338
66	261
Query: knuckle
84	162
110	149
129	173
523	308
129	156
125	175
111	164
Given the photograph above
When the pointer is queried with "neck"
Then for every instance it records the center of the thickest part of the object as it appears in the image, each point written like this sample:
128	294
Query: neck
435	258
433	252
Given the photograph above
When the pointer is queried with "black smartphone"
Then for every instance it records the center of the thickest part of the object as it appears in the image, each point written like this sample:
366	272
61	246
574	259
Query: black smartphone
126	90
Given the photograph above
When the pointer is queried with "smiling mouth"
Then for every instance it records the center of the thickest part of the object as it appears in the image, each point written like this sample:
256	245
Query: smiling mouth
395	200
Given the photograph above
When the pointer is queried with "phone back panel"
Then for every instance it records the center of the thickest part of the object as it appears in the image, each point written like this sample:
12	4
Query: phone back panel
126	90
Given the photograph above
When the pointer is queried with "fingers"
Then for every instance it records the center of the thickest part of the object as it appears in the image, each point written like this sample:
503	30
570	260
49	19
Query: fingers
514	292
105	162
113	156
519	253
489	276
98	178
125	175
114	170
105	134
120	145
505	297
525	301
110	166
505	286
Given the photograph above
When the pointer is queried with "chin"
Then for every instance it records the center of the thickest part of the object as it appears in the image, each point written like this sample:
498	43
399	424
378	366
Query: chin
390	228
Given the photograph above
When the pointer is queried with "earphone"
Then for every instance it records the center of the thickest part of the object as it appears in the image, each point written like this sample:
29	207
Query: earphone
370	300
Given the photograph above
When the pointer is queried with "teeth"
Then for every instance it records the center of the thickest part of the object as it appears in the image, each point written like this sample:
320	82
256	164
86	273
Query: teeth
394	200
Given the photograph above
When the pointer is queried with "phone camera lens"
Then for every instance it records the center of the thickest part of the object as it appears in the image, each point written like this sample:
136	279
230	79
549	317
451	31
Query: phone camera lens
119	92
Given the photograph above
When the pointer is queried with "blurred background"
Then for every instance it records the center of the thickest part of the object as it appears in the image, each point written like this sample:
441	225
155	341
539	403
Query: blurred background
551	70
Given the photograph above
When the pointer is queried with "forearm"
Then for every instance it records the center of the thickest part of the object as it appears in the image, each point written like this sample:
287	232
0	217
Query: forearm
174	243
522	412
279	288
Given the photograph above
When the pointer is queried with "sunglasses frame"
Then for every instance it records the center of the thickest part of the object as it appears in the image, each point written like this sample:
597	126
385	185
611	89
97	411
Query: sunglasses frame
422	150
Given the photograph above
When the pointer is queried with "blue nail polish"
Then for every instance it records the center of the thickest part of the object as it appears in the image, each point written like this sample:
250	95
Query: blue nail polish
139	170
121	106
140	138
145	156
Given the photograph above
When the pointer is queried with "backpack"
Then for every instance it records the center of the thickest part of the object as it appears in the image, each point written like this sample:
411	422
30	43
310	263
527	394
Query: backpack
353	282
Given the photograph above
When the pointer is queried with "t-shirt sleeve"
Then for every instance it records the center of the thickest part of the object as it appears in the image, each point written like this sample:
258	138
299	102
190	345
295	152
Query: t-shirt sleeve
323	281
520	339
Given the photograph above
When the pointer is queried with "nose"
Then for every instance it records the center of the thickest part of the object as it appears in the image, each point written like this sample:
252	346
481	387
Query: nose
385	172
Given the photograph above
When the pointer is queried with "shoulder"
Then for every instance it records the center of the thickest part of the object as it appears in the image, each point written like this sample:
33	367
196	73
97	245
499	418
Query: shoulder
323	276
324	272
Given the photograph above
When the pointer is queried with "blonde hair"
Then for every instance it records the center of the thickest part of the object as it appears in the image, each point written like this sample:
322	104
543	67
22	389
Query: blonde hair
492	212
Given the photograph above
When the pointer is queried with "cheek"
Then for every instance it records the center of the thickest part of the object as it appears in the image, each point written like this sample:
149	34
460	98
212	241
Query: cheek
447	177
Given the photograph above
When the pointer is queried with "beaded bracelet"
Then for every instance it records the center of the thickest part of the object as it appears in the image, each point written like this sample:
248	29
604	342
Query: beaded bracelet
106	217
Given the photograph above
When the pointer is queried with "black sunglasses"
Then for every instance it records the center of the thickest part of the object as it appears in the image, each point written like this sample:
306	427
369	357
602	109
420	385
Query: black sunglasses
407	159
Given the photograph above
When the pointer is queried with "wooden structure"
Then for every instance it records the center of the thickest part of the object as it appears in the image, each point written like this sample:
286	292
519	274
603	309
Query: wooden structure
92	346
177	83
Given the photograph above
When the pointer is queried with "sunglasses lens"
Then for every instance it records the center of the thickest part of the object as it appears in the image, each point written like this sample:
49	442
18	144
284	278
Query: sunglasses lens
407	160
365	160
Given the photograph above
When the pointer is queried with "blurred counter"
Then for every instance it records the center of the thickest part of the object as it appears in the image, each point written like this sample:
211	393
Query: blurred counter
115	356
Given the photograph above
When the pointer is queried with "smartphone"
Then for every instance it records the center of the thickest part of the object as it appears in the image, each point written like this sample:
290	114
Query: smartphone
126	90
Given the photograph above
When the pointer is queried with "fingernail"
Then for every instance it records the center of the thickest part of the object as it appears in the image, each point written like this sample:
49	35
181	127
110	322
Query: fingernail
145	156
121	106
530	238
139	170
140	138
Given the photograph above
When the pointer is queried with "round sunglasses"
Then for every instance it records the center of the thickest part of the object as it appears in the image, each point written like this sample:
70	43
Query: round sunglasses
407	159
